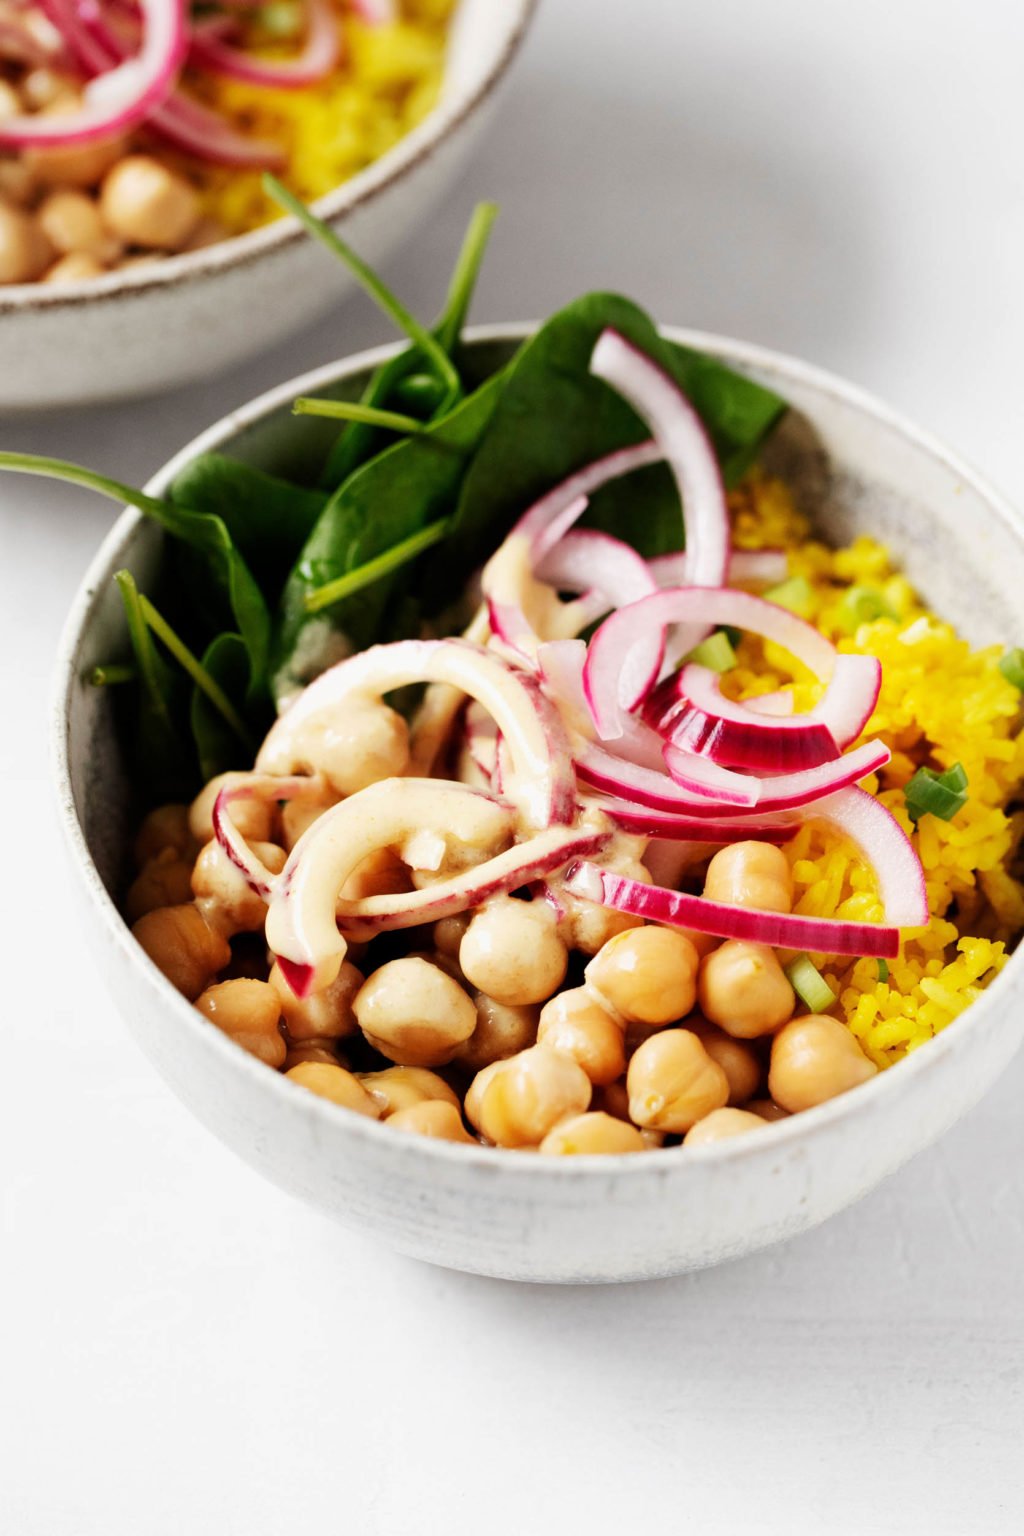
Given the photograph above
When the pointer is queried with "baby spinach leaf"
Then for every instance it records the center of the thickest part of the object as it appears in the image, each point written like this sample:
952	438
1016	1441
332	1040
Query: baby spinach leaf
554	417
404	489
218	743
268	518
205	533
401	384
157	744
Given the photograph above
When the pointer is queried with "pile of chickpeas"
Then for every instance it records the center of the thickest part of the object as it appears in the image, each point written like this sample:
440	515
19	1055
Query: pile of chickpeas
514	1025
69	213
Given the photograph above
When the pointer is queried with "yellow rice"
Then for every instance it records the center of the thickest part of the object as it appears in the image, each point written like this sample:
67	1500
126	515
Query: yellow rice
941	703
388	80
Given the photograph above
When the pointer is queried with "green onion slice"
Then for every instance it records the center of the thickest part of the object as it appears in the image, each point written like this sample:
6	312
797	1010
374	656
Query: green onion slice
810	985
937	794
1012	667
715	653
862	604
795	594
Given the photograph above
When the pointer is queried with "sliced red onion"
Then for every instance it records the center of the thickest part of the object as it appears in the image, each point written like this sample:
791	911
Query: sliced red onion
544	784
670	826
320	52
778	705
375	13
301	927
121	97
680	433
767	566
606	570
786	791
265	788
705	722
180	120
516	867
560	665
645	785
885	846
829	936
19	46
551	517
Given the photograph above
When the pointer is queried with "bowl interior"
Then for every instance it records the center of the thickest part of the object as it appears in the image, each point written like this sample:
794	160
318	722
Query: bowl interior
852	465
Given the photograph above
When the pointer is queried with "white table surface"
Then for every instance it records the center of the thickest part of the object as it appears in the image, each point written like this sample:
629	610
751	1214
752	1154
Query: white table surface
185	1350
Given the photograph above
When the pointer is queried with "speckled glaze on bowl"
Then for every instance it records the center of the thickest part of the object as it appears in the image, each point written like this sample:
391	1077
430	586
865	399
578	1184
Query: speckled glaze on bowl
857	467
187	317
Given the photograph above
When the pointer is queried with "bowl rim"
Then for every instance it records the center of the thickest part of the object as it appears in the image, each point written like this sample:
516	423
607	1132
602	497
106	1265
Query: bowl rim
358	191
496	1161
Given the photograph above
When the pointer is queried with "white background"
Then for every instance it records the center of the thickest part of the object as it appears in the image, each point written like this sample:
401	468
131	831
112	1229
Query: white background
183	1349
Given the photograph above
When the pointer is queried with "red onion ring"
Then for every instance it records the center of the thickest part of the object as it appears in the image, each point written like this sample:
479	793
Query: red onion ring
319	55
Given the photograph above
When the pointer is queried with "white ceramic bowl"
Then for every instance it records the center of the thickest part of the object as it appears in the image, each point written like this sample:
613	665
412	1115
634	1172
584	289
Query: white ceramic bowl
190	316
574	1219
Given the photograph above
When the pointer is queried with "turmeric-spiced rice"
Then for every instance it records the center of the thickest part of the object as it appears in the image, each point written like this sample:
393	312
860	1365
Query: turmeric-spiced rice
941	703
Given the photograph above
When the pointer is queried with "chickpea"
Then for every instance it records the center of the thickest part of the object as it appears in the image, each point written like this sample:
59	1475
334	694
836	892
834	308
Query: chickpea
324	1015
511	950
815	1058
432	1117
17	183
71	222
673	1082
575	1024
165	827
594	1132
767	1110
501	1031
414	1013
78	267
181	943
751	875
588	926
254	819
25	252
722	1125
10	102
613	1098
250	1012
297	816
647	975
43	88
399	1088
146	204
737	1060
227	900
320	1051
365	743
334	1083
381	873
72	165
743	988
165	881
515	1103
448	934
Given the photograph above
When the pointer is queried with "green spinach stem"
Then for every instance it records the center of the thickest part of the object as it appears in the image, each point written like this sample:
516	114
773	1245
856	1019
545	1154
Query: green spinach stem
196	671
373	570
378	291
355	410
112	673
464	276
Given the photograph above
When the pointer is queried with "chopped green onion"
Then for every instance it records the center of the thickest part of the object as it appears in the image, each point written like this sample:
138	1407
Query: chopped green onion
715	653
460	289
282	18
862	605
883	970
936	794
809	985
373	570
1012	667
354	410
794	594
114	672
